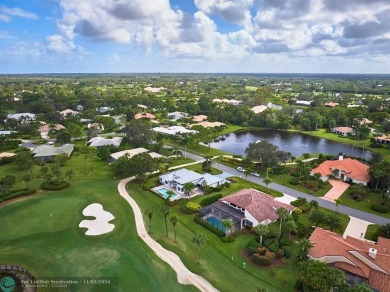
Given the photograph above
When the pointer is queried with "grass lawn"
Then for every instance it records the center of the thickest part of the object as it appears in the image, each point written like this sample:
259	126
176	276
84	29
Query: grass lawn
364	205
371	230
180	161
54	246
221	263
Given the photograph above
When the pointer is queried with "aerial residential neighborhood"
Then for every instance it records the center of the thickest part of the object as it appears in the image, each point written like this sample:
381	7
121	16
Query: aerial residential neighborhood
195	146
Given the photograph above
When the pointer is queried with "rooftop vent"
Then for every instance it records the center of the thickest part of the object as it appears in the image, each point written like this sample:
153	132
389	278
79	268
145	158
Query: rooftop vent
372	252
341	157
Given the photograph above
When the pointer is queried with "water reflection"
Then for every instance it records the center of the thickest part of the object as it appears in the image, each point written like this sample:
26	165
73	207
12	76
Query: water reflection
295	143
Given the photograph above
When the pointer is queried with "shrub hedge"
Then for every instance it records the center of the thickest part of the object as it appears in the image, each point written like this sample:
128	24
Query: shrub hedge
299	202
263	260
294	181
274	247
280	253
210	200
208	226
54	186
227	239
380	208
194	207
284	240
20	193
304	208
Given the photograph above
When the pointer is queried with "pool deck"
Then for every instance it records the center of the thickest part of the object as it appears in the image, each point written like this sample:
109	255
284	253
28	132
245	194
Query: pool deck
177	196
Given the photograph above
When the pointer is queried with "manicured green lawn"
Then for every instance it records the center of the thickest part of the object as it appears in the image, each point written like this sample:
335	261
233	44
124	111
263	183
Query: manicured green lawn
54	246
221	263
364	205
371	230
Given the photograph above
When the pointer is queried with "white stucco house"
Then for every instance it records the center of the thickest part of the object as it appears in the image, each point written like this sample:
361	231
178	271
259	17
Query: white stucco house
178	178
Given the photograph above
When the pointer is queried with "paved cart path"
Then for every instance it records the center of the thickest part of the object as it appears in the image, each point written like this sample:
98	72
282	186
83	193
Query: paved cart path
184	276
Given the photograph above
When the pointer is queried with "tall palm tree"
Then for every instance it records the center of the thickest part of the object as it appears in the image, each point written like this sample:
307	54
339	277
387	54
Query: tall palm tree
248	171
228	225
283	214
313	204
27	179
69	173
304	247
199	239
261	230
334	222
338	202
317	177
149	212
188	188
165	212
173	220
267	181
316	217
269	169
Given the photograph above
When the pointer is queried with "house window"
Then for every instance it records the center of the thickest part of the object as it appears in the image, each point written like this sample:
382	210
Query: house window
166	182
248	223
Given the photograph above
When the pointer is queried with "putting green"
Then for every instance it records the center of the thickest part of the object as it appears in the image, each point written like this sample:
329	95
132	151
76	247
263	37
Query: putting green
54	246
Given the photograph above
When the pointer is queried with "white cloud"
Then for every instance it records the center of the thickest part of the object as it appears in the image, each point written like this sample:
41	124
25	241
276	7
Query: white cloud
4	18
58	44
16	11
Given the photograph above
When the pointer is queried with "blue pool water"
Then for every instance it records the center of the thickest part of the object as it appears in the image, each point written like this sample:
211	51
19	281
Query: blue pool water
216	223
164	192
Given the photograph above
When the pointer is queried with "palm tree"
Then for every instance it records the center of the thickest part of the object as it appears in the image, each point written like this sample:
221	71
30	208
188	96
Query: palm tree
27	179
206	165
269	169
188	188
163	168
334	222
304	247
248	171
317	177
283	214
173	220
227	224
149	212
299	166
313	204
338	202
291	226
261	230
165	211
307	171
316	217
267	181
220	159
199	239
384	230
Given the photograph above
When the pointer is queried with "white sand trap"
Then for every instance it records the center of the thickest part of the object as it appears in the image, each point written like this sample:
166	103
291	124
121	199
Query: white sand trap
100	225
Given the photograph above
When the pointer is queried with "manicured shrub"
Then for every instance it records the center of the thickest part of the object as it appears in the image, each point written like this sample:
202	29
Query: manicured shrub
284	240
299	202
194	207
265	259
274	247
287	251
208	226
268	241
304	208
54	186
294	181
280	253
376	145
20	193
227	239
297	211
6	160
273	234
380	208
209	200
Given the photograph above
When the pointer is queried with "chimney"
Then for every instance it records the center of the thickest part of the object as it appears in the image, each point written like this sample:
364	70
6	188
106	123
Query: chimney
341	157
372	252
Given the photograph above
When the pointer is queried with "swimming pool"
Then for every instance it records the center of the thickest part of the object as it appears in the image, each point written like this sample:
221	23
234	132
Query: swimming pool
164	193
216	223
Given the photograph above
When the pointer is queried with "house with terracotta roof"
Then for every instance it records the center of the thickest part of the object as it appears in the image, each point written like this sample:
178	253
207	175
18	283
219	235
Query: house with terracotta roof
246	207
144	116
331	104
343	131
45	129
199	118
385	139
346	169
69	112
361	260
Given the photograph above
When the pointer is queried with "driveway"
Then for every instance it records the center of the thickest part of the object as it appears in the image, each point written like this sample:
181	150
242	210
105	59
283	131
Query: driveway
356	228
285	199
338	188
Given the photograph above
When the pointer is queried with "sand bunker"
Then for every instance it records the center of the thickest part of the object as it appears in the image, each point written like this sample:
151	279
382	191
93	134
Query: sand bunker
100	225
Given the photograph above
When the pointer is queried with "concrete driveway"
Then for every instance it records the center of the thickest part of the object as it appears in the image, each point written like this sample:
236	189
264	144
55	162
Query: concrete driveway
285	199
356	228
338	188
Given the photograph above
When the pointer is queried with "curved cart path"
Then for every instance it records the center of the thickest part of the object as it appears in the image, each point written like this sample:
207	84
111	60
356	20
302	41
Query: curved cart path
184	276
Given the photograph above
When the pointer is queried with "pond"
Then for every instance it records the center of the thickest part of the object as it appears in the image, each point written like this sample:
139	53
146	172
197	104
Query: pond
295	143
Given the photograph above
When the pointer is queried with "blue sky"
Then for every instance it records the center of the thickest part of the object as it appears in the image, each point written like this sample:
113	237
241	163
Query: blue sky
287	36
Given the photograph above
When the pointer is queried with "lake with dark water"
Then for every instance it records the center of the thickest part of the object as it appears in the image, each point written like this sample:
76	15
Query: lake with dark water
295	143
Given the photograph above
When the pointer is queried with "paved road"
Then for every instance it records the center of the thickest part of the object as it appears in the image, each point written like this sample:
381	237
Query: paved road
323	203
